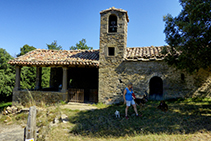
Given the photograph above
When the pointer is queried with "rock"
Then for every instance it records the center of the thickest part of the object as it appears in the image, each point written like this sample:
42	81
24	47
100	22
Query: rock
64	118
23	125
9	110
4	112
55	120
8	120
14	109
9	123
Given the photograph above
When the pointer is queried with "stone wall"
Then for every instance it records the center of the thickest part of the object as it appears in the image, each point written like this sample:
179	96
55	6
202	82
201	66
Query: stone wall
108	64
24	96
114	80
202	84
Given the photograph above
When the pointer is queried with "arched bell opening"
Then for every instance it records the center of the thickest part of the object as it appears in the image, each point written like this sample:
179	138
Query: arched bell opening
112	26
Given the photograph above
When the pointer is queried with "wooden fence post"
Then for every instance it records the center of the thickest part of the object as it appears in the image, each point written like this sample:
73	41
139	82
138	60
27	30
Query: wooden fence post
31	124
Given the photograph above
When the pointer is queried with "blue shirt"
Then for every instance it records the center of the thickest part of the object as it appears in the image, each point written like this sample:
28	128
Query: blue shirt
128	95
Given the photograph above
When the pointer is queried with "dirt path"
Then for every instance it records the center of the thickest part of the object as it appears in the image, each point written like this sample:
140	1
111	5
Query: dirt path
11	132
78	106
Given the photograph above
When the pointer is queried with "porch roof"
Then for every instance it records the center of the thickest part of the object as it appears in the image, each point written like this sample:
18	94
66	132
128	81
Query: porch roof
43	57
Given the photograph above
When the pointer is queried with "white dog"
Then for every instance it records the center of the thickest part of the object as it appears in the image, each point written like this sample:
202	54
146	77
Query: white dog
117	113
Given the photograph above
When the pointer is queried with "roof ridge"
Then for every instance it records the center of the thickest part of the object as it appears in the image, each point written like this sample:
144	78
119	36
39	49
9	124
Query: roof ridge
147	47
117	9
83	50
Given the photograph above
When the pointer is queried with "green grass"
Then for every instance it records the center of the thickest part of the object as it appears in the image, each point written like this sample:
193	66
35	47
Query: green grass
186	119
185	116
100	105
3	105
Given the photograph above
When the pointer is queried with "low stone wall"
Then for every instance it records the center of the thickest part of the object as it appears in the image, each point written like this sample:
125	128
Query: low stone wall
24	96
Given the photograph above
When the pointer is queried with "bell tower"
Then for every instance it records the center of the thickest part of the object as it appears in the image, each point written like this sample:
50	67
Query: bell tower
113	42
113	35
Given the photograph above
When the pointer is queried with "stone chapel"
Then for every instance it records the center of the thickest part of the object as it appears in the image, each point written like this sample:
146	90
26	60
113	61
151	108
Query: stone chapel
101	75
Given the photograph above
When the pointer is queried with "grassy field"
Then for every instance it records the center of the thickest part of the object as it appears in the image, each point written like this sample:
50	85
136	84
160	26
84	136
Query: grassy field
188	119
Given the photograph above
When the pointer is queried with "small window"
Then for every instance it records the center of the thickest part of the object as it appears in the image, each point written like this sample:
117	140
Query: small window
182	77
111	51
112	23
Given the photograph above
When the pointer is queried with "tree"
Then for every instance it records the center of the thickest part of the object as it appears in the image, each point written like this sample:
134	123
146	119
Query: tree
25	49
7	75
189	36
46	71
46	77
80	45
28	74
54	46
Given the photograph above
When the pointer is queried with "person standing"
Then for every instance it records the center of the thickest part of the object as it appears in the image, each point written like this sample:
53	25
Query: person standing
128	100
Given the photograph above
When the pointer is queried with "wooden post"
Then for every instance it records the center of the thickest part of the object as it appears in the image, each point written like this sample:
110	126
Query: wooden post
31	124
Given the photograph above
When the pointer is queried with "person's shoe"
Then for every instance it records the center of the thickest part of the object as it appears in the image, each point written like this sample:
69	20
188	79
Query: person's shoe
126	117
138	115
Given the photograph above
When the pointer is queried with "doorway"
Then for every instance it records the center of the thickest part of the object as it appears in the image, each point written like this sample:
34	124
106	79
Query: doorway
156	88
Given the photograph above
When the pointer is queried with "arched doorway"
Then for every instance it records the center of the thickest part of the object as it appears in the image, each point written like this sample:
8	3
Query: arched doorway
156	88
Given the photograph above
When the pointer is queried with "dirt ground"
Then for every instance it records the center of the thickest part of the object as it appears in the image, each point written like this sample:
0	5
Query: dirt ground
15	132
11	132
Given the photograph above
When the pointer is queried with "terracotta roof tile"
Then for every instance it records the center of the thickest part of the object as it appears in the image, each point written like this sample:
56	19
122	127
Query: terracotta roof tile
83	57
116	9
58	57
144	54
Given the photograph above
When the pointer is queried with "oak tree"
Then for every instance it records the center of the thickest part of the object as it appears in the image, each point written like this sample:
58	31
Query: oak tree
81	45
189	36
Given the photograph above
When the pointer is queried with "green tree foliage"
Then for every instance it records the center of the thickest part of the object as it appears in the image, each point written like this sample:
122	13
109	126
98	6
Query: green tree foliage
45	77
81	45
189	33
28	74
26	48
54	46
46	71
28	77
7	75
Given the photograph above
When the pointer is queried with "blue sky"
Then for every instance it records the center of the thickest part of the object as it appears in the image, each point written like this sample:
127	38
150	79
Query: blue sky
40	22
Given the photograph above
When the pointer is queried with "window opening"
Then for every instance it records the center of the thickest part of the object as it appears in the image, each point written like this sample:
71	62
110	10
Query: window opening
182	77
111	51
112	23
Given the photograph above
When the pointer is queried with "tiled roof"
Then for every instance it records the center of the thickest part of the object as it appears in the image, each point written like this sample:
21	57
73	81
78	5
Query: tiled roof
43	57
116	9
144	54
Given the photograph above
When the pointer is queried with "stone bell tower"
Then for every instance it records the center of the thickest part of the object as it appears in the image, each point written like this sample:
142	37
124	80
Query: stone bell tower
113	35
113	42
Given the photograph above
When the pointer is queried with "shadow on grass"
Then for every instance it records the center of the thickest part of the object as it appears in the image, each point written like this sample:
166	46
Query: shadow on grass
181	118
